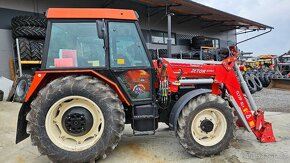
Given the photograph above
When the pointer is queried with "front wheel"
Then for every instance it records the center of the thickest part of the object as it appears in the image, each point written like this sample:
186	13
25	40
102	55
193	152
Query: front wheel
76	119
205	126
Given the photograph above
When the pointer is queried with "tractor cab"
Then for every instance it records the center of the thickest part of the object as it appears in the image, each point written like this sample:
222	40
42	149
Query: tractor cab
112	47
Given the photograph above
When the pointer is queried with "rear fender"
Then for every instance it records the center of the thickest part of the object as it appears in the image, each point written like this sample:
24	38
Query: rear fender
179	105
40	80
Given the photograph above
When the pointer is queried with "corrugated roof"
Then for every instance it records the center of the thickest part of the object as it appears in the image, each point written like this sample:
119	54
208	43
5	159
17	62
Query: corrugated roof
192	10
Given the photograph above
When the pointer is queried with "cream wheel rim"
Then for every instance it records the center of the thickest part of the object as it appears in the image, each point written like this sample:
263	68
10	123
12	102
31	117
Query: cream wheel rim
65	140
218	129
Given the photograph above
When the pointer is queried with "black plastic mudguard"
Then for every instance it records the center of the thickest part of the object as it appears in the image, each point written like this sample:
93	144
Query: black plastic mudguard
21	133
179	105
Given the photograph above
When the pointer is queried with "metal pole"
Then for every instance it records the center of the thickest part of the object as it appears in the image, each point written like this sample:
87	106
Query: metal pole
246	89
196	81
169	34
18	57
254	36
200	54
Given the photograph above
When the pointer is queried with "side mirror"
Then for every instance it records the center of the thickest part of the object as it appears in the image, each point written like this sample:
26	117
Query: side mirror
101	28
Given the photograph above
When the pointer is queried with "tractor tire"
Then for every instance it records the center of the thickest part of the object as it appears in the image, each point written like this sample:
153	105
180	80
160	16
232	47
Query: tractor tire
258	83
163	53
66	100
264	78
22	87
24	48
200	118
208	56
36	49
224	53
1	95
29	32
250	83
249	72
268	79
37	21
153	54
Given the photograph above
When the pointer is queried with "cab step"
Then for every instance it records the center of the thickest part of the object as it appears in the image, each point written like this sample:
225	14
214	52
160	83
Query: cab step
144	119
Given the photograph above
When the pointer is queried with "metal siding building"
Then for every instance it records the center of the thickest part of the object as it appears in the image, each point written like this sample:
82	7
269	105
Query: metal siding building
182	30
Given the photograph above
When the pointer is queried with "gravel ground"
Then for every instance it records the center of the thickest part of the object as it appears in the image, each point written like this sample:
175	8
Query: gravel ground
273	100
163	147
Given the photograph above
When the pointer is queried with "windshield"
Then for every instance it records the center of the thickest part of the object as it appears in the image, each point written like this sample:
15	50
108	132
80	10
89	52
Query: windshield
75	45
126	48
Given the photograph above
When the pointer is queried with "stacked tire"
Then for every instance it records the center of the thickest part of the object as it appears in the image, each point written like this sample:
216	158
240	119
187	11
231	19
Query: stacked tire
30	32
255	81
265	79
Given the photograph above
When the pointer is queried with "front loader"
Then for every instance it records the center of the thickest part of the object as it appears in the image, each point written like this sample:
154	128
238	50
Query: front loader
97	76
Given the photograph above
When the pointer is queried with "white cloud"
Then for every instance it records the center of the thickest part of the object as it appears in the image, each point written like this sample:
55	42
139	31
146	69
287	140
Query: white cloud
275	13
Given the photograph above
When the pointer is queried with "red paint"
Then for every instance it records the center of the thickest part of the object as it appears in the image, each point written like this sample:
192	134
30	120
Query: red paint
40	76
221	74
90	13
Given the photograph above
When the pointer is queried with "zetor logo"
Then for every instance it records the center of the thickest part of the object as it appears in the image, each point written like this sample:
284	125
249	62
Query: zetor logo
201	71
198	71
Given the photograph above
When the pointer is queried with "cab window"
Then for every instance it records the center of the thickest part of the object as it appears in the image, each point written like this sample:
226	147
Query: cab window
75	45
126	48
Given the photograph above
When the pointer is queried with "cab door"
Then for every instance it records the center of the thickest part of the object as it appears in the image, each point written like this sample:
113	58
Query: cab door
129	61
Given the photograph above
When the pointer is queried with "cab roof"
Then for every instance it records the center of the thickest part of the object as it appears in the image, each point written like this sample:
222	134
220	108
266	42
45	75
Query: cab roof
90	13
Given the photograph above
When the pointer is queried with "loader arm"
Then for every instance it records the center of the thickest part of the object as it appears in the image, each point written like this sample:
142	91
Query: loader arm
226	73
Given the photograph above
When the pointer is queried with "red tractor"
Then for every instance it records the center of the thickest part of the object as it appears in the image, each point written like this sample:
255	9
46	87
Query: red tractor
97	76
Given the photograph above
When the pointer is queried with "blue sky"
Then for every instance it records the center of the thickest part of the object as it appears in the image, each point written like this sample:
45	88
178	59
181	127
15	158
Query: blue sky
275	13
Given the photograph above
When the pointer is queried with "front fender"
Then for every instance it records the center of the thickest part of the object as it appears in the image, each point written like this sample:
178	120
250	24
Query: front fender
179	105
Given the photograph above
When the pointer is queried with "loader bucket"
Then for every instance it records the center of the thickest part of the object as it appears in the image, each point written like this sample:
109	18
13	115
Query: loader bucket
280	83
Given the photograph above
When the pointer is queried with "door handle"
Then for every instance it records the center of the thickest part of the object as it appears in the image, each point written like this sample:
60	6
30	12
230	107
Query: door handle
117	70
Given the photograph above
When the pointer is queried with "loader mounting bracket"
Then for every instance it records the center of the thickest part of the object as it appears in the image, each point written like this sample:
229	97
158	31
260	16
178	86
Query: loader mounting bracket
264	128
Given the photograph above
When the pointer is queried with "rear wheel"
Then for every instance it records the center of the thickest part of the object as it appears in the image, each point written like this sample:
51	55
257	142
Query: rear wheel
205	126
76	119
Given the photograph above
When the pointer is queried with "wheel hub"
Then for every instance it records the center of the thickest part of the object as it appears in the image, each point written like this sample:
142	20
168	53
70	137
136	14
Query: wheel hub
77	121
206	125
